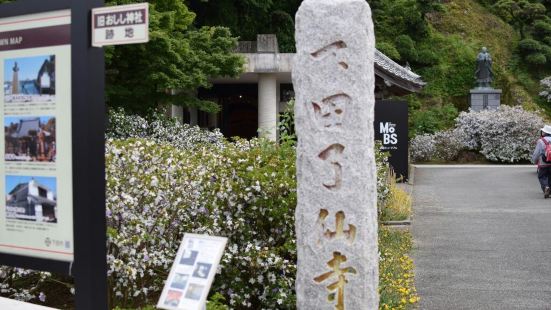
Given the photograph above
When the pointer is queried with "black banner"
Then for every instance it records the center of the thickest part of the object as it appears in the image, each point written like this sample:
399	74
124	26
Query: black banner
391	128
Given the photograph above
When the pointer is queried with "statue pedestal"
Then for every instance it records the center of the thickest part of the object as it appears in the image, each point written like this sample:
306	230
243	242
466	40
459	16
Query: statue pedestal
485	98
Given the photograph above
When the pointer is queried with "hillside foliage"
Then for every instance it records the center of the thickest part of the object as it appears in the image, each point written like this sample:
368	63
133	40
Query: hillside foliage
438	39
192	40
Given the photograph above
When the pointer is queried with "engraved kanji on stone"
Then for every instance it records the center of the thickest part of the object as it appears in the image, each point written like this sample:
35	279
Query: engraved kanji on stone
336	214
339	232
331	110
336	289
332	156
333	50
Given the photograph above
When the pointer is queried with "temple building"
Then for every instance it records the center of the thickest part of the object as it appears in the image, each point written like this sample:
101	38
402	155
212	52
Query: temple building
33	202
45	81
251	103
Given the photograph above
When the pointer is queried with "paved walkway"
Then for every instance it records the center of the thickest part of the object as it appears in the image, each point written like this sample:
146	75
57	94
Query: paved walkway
482	238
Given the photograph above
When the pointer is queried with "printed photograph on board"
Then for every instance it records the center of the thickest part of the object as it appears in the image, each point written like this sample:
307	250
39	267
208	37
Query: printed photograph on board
189	257
173	298
194	291
30	138
180	281
202	270
31	198
29	79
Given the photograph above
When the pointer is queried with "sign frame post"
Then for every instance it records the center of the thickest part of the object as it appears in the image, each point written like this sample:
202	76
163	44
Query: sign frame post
88	152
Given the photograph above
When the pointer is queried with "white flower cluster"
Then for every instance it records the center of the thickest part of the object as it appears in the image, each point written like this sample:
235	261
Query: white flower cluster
545	85
161	129
422	147
506	135
381	161
442	145
9	278
244	191
157	191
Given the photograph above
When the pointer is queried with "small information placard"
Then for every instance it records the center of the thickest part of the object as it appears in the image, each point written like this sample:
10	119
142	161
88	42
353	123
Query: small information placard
192	273
123	24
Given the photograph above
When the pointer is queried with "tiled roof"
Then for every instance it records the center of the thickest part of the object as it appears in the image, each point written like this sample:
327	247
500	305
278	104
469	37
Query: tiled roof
25	126
390	66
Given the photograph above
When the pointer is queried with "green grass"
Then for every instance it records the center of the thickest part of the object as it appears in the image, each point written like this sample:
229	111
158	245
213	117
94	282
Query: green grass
398	205
474	26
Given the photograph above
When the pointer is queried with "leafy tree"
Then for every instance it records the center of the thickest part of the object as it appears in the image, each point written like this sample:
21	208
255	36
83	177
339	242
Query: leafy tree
178	59
393	17
534	52
406	47
247	18
388	49
429	6
520	13
542	29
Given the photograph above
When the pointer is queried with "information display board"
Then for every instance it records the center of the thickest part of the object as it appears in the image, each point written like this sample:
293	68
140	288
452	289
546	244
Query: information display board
52	165
36	218
192	273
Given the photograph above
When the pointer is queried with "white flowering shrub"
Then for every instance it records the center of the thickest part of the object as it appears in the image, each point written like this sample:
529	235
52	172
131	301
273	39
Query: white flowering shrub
506	135
448	144
545	85
156	191
159	128
422	148
244	191
443	145
383	186
11	280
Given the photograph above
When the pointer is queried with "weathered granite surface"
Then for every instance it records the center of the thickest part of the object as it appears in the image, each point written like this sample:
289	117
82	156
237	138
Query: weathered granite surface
336	216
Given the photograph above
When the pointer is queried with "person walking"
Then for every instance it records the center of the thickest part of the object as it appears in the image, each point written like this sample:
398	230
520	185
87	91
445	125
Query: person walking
543	145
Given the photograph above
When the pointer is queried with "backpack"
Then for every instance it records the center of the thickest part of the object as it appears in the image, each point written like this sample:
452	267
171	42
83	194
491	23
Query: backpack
547	151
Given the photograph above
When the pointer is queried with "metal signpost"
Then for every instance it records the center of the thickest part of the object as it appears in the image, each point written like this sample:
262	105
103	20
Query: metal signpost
52	174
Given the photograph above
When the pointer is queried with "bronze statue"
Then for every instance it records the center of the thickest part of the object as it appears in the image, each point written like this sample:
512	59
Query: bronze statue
484	74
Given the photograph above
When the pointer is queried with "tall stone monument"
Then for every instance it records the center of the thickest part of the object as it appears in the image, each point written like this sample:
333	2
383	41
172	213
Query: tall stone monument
336	215
484	96
15	80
